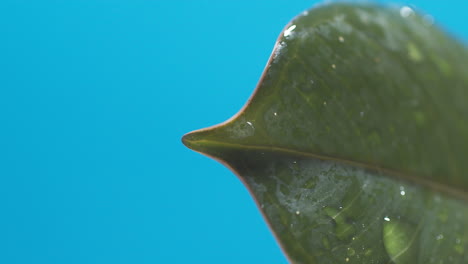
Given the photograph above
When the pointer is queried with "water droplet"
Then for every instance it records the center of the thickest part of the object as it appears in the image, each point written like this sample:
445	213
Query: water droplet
439	236
402	190
346	259
250	127
242	129
399	241
341	39
406	11
288	31
343	230
402	193
333	66
326	243
443	216
278	50
361	114
459	247
387	219
414	53
419	117
325	103
428	20
298	212
275	114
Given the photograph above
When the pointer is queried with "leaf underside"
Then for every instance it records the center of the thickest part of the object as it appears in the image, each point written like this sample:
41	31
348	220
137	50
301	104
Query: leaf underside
354	142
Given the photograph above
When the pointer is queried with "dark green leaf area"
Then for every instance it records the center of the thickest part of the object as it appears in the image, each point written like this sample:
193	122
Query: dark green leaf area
363	83
327	212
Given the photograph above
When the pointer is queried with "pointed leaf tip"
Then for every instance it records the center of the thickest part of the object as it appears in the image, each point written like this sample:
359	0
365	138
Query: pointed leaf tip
187	139
190	140
211	142
199	141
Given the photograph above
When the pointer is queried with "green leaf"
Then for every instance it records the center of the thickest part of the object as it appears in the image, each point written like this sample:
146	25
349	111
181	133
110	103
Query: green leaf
355	142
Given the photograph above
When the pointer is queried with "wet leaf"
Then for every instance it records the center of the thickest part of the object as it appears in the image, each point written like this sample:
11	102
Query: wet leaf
355	142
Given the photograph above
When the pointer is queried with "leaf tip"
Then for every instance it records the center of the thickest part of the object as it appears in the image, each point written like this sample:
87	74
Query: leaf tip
205	141
190	140
198	140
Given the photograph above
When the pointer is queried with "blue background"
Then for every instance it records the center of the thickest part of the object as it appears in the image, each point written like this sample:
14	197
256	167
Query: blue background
94	98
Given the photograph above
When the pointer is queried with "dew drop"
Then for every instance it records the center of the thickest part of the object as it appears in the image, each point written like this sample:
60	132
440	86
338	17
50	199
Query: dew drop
341	39
428	20
399	240
326	243
288	31
459	247
333	66
343	229
242	129
251	127
414	53
406	11
298	212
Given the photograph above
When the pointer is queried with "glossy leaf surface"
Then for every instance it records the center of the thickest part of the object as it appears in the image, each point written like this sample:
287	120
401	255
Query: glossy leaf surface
354	144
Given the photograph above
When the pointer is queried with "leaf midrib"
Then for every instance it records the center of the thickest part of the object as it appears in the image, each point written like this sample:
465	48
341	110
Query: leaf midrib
433	185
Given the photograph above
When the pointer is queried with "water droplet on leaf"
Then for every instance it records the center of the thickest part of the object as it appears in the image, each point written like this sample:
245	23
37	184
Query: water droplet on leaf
399	239
406	11
414	53
288	31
